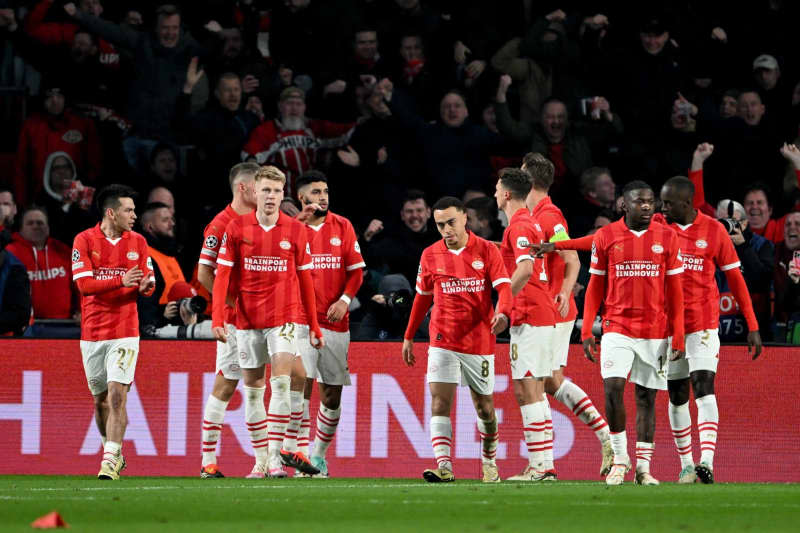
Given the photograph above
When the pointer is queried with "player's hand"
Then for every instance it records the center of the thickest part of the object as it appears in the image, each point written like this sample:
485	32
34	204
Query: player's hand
171	310
307	212
70	9
219	334
542	248
674	355
562	302
146	284
754	345
590	349
408	352
132	277
337	311
499	323
316	341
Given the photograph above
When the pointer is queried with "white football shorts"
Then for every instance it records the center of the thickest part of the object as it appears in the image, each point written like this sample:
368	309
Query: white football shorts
702	353
561	343
257	346
328	365
644	359
531	351
228	356
111	360
473	371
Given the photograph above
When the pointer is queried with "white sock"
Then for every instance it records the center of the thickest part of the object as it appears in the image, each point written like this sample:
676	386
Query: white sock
533	423
680	420
305	429
489	437
547	449
255	417
442	440
579	403
707	425
619	443
213	416
111	452
296	418
327	420
280	412
103	441
644	454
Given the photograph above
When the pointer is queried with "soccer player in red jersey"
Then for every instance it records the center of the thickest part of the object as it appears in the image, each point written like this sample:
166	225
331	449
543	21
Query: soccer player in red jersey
337	277
228	372
267	255
533	323
111	267
457	275
562	269
635	269
705	246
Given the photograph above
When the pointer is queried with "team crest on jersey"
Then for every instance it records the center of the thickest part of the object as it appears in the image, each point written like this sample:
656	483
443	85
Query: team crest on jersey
522	243
72	137
336	241
657	248
285	244
76	255
477	265
211	242
700	243
133	256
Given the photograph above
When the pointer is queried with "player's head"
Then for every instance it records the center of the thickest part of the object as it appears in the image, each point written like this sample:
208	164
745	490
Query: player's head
312	188
540	169
158	220
514	185
481	211
115	202
638	204
269	184
677	196
241	179
415	212
451	221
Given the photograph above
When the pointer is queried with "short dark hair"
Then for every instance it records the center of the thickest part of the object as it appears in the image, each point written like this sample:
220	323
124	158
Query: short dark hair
227	76
412	195
590	176
635	185
759	186
681	183
108	197
540	169
167	10
248	167
310	176
517	181
446	202
484	206
33	207
162	147
3	189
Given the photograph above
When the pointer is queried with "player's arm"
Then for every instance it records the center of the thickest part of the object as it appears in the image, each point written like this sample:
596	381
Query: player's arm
147	285
675	316
739	290
521	275
591	305
502	284
352	283
307	295
205	275
701	153
419	309
572	267
581	244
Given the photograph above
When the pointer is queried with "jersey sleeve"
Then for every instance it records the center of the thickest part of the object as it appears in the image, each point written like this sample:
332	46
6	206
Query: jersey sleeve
497	269
674	262
520	239
81	259
212	241
599	262
554	227
424	284
726	258
302	254
352	252
229	248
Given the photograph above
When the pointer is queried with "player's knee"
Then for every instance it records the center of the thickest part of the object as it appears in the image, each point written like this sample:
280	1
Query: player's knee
440	406
331	397
702	383
116	399
552	384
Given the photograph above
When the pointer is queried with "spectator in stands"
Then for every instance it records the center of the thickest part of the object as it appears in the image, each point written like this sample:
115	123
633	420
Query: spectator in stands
598	193
292	141
416	75
388	310
160	60
8	209
729	104
54	129
65	198
455	151
48	264
15	291
772	88
482	218
757	256
162	195
787	279
399	248
297	29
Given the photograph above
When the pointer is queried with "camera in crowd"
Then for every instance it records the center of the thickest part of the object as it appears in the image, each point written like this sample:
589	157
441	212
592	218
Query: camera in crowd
730	224
195	304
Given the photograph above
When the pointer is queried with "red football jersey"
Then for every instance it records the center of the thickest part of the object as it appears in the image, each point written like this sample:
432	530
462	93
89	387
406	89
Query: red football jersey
212	239
636	264
554	226
265	261
534	304
461	282
704	246
335	251
112	314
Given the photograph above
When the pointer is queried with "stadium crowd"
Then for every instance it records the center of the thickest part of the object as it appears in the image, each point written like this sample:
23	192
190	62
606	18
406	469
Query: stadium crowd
398	102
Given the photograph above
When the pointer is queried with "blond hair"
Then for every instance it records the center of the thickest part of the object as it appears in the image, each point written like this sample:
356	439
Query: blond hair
270	172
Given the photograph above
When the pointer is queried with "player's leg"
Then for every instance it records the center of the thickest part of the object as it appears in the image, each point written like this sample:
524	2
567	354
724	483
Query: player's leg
528	392
645	433
616	361
443	376
310	357
289	454
477	372
680	421
305	424
702	371
101	413
120	357
252	345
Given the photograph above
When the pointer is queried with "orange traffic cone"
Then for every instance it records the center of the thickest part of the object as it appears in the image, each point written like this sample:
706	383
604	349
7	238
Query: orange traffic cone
51	520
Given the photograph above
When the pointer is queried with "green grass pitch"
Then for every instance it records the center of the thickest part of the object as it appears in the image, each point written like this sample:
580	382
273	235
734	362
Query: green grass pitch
384	505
